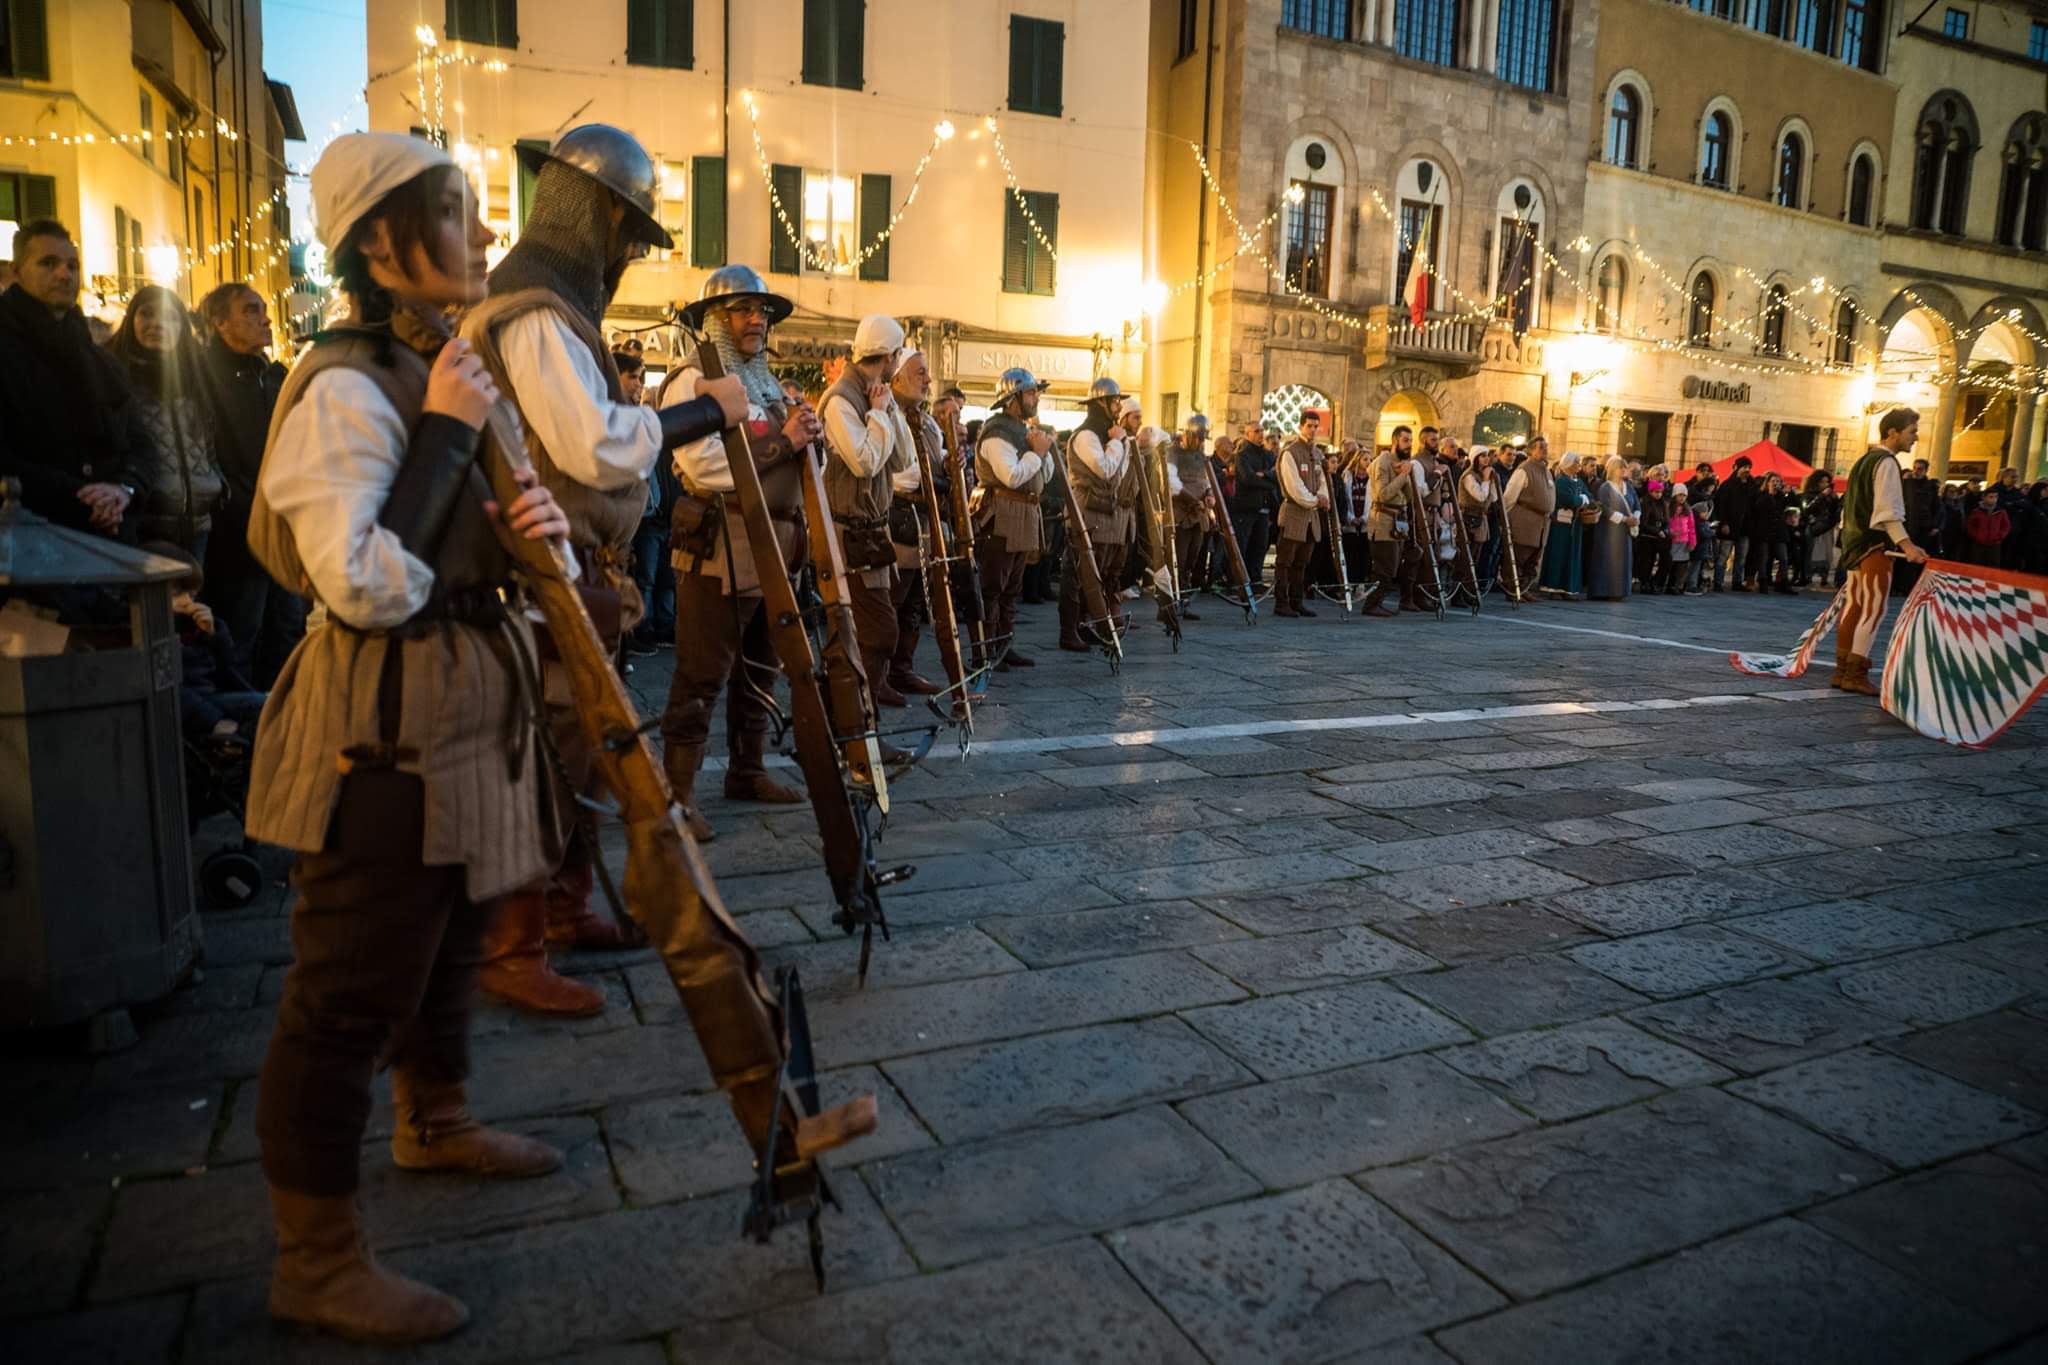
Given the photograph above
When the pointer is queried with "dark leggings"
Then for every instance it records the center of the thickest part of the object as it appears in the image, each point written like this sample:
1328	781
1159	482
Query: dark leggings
384	952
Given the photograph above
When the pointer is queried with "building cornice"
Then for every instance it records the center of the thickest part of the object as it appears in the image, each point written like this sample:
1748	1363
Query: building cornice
1974	48
1364	51
1778	45
1708	194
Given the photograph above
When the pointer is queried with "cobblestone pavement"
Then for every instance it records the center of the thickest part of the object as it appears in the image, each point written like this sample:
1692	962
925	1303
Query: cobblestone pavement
1702	1019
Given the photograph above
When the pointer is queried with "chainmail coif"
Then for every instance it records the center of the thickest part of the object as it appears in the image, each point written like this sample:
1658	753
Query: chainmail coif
763	388
566	245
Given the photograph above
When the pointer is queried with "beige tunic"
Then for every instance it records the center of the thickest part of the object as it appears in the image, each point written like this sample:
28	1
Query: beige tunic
1299	519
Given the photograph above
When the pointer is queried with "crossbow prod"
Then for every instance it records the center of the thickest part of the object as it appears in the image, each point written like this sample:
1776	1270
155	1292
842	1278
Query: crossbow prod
1235	553
1099	622
757	1041
1155	501
831	709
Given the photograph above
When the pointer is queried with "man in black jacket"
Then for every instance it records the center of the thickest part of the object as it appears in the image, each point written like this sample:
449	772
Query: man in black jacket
1731	522
69	429
1256	500
262	619
1923	516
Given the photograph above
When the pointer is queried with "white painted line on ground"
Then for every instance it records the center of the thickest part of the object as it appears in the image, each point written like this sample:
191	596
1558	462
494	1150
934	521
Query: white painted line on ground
1046	744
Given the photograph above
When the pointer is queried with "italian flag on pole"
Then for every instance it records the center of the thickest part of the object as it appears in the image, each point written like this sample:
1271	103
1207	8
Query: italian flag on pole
1415	289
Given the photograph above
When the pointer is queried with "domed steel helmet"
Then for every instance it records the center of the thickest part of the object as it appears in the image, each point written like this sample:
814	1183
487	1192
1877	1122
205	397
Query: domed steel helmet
614	159
1105	388
1196	423
730	282
1017	380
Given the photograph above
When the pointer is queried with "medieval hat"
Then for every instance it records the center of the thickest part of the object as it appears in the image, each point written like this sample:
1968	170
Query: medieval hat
614	159
730	283
357	172
1016	381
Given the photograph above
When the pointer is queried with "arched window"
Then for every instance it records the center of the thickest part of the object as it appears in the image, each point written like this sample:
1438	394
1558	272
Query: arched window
1771	335
1518	267
1699	319
1843	351
1717	149
1311	219
1791	171
1943	148
2023	186
1624	127
1421	192
1862	190
1610	294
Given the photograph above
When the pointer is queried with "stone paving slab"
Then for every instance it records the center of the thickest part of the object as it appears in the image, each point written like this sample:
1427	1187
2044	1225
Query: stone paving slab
1338	1122
1843	931
1482	883
1780	1292
1569	1072
1292	962
1113	931
1070	1305
1766	1024
954	1204
1685	961
2003	1054
1224	876
1904	1113
1924	988
1315	1030
1407	854
1667	902
1291	909
1536	1212
1515	993
1488	932
1975	1230
1301	1276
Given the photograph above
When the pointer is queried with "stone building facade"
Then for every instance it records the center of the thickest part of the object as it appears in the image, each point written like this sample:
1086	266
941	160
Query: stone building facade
1381	114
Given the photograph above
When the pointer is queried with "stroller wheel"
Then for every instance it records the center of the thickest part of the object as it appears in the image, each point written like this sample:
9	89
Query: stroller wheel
229	879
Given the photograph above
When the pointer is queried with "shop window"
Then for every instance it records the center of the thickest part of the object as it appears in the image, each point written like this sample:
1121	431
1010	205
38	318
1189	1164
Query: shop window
661	33
1028	264
1036	57
1643	436
1624	127
834	39
493	23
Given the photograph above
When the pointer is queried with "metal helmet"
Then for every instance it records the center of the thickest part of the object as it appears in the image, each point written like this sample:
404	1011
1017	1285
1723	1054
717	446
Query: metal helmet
1016	381
1196	423
730	282
1105	388
616	160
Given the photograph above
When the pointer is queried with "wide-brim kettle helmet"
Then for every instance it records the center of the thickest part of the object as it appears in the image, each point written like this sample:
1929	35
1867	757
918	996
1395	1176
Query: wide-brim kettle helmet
1196	423
1015	381
729	283
615	159
1106	389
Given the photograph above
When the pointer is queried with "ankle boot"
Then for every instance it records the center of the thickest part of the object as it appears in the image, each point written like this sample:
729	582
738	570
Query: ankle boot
1855	674
746	772
516	966
326	1277
680	762
571	922
1070	626
436	1133
1301	598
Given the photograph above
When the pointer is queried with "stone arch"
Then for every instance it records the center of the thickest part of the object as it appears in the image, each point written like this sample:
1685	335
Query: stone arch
2028	320
1282	407
1412	393
1795	126
1646	115
1498	424
1936	301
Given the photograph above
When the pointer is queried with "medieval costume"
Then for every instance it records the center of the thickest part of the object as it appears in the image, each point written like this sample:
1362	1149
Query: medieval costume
1193	514
1304	493
867	442
1011	471
910	523
1563	569
1873	522
1608	560
1098	463
396	753
1388	531
1530	502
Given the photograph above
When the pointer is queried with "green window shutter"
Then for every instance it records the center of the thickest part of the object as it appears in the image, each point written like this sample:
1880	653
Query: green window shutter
121	248
788	183
28	31
527	177
494	23
1046	209
1016	240
39	196
136	255
874	216
707	211
1037	53
834	32
661	33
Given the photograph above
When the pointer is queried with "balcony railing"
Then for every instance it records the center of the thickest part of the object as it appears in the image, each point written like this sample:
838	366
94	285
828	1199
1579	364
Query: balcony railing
1392	335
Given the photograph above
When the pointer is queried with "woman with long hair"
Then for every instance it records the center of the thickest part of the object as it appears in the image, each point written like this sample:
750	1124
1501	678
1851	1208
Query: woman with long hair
1820	515
396	754
184	487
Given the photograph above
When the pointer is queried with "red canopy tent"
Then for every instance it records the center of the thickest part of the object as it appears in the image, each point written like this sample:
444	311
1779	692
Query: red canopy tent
1765	458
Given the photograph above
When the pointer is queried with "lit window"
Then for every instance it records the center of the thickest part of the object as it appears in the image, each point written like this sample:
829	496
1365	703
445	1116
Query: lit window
828	226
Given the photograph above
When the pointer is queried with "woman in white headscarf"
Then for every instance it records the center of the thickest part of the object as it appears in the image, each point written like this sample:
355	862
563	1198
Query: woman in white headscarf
395	753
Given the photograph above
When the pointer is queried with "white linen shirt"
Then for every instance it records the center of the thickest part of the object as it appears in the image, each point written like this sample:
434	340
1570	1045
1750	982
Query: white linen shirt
562	396
1105	461
867	447
1013	468
1293	485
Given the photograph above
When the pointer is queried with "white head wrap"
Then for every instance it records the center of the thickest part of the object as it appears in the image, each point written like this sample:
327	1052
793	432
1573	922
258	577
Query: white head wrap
355	173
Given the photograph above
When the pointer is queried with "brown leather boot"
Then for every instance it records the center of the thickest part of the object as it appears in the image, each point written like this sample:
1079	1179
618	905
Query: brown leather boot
746	772
516	968
436	1133
1856	676
326	1277
572	923
680	762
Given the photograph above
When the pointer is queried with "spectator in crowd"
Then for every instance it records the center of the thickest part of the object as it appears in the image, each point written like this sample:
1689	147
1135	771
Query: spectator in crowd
215	701
1769	531
1820	515
1653	538
1256	500
1563	572
242	384
2011	501
1731	523
1704	484
1923	516
1951	529
181	489
2033	532
73	434
1986	529
651	572
1608	551
1704	546
1684	539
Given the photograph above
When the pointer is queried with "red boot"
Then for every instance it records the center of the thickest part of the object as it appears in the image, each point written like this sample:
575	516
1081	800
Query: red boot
571	924
516	966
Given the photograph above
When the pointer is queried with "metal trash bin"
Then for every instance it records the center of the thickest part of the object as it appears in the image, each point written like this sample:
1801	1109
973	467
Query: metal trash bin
96	903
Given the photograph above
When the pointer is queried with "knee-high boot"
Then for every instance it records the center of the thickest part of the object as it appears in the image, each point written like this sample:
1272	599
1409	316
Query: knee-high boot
516	968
